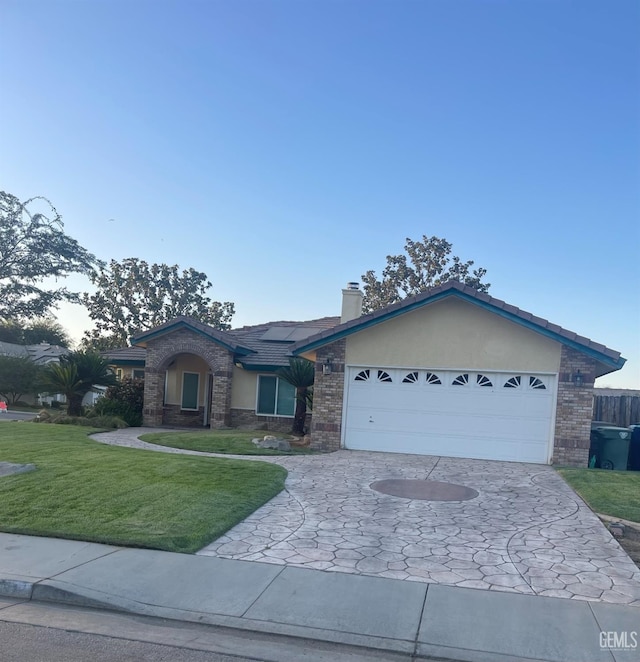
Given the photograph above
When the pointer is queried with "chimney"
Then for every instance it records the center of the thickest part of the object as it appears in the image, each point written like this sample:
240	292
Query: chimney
351	303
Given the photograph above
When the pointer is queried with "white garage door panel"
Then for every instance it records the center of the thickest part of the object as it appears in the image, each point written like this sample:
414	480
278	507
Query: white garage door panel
476	425
469	420
427	444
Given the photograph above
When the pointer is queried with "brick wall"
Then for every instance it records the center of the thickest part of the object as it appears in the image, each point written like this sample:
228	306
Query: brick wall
174	416
574	409
328	393
247	418
161	351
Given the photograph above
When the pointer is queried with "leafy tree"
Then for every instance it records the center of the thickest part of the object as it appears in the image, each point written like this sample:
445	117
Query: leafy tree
94	342
299	373
31	333
427	263
18	376
33	247
124	400
134	296
76	374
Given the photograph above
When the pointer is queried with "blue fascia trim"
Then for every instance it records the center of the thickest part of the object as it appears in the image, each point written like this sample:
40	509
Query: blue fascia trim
260	368
482	304
242	351
126	362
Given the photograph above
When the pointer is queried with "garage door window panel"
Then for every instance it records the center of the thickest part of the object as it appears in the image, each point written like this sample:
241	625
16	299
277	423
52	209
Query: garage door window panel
483	380
433	379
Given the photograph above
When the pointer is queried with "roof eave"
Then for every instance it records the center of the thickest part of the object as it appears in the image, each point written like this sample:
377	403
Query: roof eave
143	338
613	363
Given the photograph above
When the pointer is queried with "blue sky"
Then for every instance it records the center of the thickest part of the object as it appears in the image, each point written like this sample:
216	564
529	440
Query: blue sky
285	147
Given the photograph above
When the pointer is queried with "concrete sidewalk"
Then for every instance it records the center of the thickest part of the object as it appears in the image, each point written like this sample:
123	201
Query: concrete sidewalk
407	620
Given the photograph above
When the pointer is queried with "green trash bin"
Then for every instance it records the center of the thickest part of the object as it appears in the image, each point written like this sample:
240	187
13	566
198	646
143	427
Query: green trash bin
610	446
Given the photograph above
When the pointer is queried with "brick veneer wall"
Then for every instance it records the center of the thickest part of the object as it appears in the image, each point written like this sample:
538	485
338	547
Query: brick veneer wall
574	409
160	352
175	416
328	391
249	419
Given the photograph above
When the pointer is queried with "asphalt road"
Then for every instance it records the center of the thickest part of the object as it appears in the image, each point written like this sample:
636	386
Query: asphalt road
49	632
17	416
30	643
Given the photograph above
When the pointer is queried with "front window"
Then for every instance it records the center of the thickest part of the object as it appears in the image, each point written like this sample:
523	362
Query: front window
276	397
190	387
138	374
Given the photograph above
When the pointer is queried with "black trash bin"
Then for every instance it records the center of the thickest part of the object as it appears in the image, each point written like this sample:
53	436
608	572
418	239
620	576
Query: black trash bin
609	445
634	448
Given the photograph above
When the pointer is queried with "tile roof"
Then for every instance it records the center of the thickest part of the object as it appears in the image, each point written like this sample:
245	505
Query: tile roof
455	288
270	353
11	349
247	341
46	353
223	337
126	354
41	353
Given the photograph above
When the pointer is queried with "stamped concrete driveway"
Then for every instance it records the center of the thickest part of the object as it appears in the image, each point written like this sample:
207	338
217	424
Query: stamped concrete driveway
525	532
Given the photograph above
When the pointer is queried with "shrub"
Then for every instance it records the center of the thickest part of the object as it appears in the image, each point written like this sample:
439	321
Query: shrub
124	400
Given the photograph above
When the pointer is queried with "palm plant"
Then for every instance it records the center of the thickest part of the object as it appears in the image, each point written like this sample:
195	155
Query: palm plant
76	374
301	374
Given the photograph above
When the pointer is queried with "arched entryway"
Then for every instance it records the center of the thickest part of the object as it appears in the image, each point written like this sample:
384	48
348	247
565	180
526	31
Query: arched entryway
187	382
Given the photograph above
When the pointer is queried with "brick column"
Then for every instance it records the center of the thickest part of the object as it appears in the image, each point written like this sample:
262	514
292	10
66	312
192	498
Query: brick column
221	392
153	397
328	390
574	409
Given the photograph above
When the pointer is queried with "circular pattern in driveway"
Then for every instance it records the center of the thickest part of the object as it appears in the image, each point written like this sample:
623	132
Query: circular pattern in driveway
424	490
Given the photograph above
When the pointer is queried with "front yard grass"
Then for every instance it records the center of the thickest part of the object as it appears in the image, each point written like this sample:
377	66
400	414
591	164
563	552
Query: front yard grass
85	490
614	493
234	442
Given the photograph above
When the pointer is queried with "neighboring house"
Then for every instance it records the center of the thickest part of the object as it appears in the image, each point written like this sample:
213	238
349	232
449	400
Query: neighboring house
450	372
42	354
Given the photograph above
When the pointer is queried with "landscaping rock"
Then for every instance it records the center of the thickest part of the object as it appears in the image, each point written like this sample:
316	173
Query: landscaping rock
274	443
8	468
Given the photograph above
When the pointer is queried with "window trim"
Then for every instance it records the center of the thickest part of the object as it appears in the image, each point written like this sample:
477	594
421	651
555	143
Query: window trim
275	403
182	407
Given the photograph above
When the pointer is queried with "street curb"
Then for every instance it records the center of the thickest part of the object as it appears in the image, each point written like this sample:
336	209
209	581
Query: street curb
47	591
16	588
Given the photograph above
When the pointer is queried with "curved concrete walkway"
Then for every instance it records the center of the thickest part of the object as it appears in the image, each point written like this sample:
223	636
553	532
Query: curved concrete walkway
527	531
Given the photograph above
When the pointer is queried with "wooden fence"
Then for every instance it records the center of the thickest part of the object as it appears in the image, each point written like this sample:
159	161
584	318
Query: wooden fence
620	407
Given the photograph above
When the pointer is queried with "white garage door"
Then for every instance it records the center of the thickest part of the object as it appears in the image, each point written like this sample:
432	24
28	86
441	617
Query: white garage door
484	415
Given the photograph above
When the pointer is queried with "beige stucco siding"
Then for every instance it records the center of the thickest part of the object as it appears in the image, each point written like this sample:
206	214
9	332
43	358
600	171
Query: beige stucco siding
185	363
243	389
453	334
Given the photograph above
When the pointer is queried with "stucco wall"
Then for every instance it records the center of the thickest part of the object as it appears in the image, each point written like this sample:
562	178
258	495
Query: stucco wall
243	389
185	363
453	334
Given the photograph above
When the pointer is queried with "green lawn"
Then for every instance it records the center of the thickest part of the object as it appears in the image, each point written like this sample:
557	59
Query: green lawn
89	491
235	442
614	493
